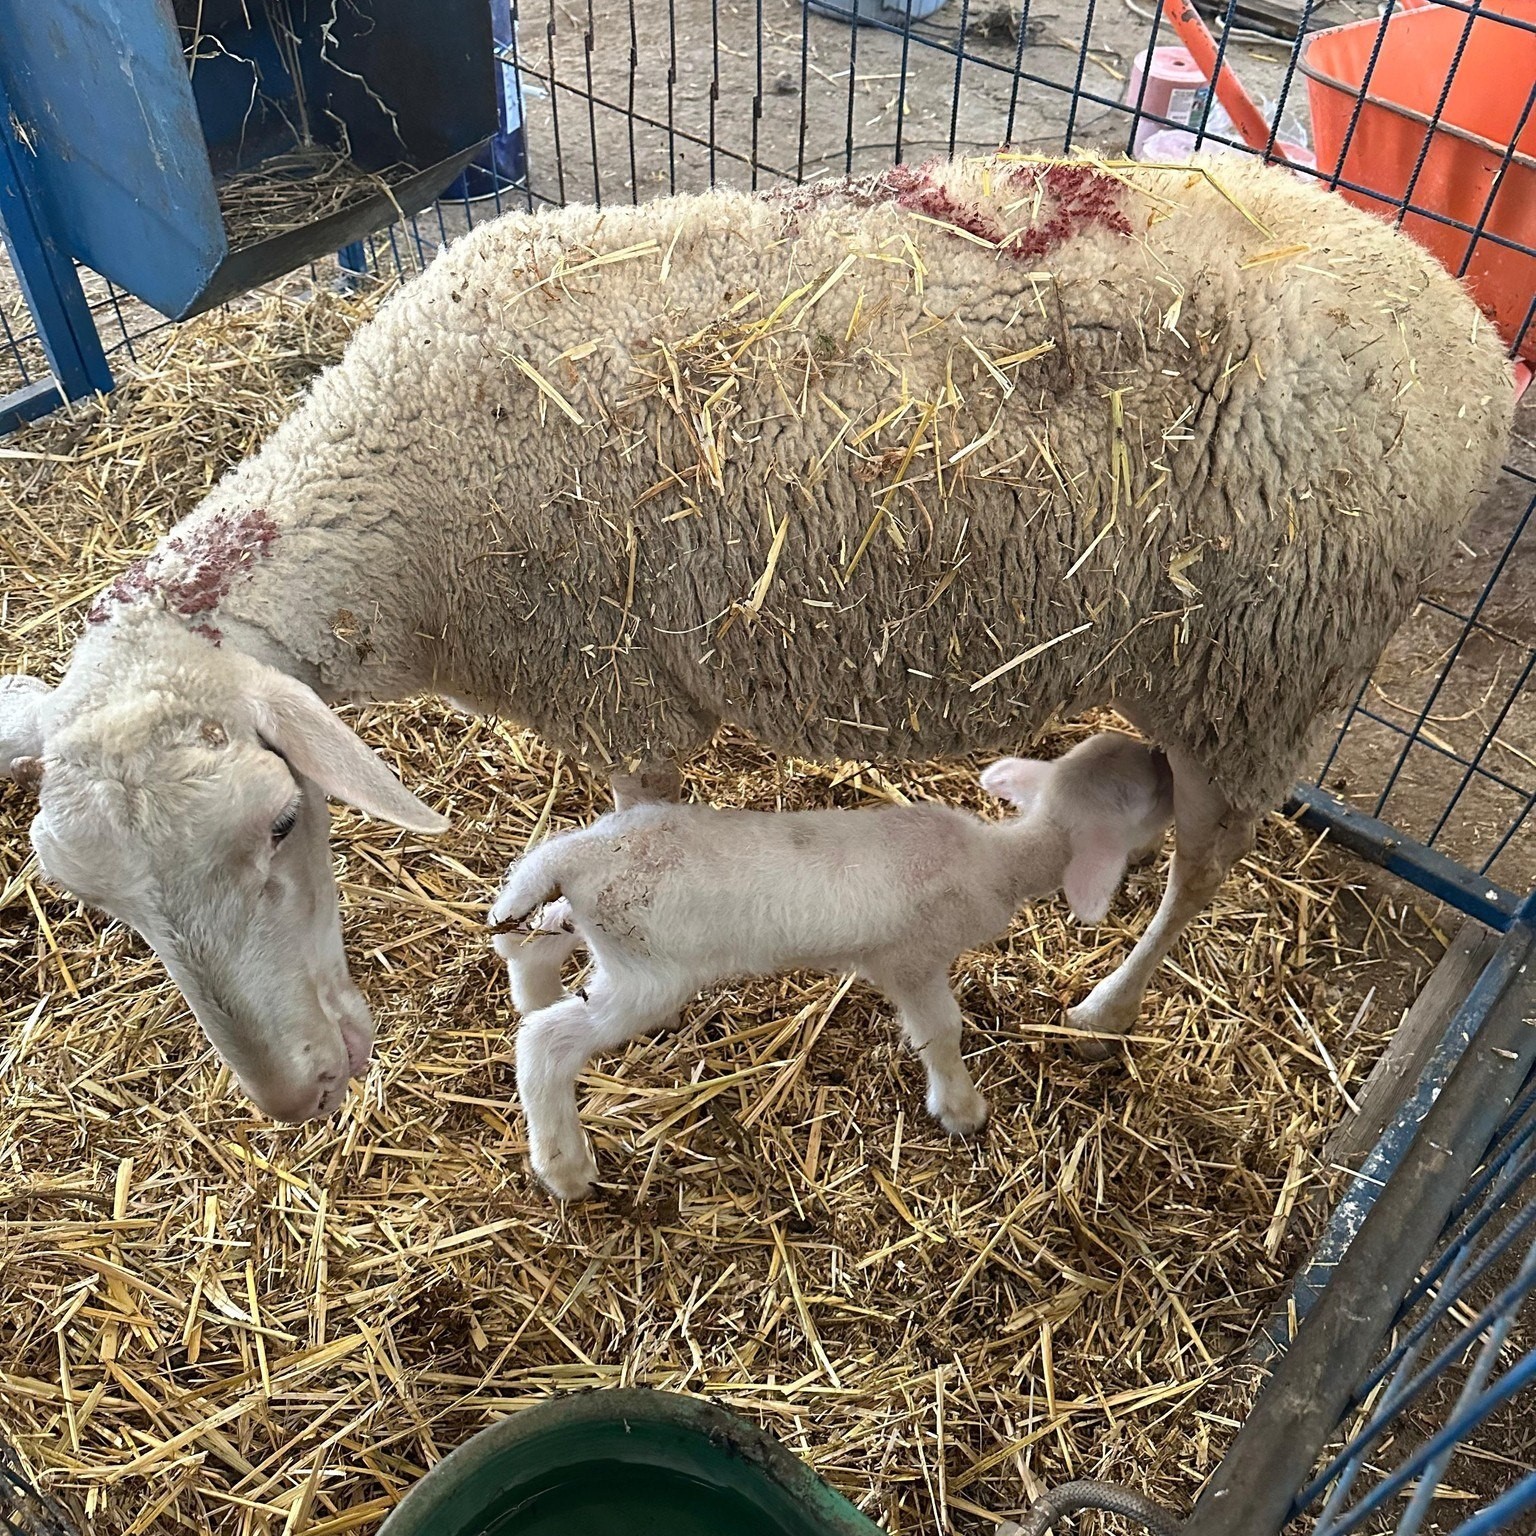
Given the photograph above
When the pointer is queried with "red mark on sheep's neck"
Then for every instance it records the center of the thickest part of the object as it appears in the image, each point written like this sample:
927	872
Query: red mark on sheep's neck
193	572
1073	199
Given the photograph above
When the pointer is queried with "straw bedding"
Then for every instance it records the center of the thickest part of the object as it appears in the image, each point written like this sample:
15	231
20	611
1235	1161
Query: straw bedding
294	190
211	1325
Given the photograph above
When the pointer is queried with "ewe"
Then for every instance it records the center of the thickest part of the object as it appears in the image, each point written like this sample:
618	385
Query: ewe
881	469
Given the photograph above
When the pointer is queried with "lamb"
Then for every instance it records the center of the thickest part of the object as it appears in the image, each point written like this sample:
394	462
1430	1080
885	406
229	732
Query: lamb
670	899
904	466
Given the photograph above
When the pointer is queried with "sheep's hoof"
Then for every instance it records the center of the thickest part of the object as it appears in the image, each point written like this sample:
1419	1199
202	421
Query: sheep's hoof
1099	1042
1100	1048
567	1178
964	1117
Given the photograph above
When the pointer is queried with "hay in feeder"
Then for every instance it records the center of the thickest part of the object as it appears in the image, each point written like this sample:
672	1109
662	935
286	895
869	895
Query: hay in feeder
295	190
211	1325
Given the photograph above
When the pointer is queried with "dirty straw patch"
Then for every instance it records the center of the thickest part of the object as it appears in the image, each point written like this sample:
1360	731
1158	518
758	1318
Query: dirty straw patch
211	1325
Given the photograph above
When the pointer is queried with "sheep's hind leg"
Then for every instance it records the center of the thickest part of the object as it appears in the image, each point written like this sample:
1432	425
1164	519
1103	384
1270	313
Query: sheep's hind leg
553	1045
932	1021
1209	838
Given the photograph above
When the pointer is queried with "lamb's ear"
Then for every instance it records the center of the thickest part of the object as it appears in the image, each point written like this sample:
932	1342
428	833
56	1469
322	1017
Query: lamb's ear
1097	866
295	721
1018	780
22	700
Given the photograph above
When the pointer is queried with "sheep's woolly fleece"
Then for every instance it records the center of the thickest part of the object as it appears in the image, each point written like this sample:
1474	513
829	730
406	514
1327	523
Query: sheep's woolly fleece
882	468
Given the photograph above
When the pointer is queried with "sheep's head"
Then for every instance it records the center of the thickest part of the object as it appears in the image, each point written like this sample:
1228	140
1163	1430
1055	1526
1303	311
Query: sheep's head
201	822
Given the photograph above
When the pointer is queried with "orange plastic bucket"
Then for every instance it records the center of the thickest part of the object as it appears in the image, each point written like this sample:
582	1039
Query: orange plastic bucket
1468	148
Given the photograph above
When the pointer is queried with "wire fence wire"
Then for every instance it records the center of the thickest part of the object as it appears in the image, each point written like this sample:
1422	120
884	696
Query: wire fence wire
24	1511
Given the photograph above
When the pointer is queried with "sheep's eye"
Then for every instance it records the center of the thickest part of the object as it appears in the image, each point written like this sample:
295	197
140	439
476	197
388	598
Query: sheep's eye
285	823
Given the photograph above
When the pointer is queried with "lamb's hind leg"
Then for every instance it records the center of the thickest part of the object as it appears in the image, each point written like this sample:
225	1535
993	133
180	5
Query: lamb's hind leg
932	1021
1209	838
554	1044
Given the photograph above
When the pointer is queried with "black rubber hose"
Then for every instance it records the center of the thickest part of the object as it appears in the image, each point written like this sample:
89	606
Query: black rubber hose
1088	1493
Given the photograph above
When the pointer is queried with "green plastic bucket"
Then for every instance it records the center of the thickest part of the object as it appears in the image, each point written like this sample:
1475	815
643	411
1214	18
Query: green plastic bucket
623	1463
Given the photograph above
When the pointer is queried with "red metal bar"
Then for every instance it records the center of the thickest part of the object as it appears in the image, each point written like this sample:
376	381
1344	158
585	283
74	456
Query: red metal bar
1239	105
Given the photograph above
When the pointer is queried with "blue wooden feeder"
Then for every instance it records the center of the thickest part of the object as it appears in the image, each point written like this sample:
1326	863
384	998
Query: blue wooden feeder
190	150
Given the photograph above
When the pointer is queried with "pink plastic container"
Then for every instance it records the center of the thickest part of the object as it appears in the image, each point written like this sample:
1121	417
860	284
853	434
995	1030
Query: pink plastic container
1176	90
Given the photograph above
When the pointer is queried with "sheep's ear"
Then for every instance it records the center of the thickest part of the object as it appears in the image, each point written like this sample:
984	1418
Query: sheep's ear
21	727
1018	780
294	721
1094	873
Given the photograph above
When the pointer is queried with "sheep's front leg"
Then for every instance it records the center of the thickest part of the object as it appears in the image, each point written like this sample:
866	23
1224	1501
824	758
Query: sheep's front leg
931	1020
1209	838
553	1045
650	784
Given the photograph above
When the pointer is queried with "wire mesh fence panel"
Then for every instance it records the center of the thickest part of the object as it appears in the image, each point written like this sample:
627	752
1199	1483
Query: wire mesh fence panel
24	1511
1441	742
121	320
1441	1438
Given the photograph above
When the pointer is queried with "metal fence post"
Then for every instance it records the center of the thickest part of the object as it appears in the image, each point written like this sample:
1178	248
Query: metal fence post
49	284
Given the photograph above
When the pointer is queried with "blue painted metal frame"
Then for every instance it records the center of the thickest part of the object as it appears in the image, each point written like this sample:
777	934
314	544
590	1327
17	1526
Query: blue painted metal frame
51	287
131	142
1467	1265
1460	1164
1427	868
1371	1177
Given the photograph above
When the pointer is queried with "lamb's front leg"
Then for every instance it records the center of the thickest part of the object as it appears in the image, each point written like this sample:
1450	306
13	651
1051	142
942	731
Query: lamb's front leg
553	1045
652	783
932	1021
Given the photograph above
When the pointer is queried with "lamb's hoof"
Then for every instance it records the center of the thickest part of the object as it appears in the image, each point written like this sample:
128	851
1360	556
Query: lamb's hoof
566	1178
963	1116
1095	1048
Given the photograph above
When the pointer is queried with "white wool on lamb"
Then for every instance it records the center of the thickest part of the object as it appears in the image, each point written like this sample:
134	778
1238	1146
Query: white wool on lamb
670	899
886	468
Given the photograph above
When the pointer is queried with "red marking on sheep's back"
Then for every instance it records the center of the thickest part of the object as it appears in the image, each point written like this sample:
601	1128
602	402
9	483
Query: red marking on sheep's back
193	572
1084	199
917	191
1074	199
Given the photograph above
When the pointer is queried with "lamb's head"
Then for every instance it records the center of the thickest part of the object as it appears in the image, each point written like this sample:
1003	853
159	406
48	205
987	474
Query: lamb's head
1108	801
192	806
